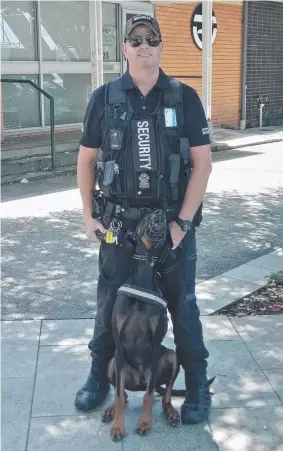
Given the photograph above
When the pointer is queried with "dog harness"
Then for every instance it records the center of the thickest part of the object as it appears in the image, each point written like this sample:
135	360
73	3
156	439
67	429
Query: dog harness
142	295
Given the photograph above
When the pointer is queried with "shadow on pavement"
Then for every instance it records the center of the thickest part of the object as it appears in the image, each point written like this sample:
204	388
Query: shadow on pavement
237	229
49	268
232	154
38	187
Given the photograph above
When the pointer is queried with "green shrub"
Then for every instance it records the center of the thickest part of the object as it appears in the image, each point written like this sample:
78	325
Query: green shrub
276	277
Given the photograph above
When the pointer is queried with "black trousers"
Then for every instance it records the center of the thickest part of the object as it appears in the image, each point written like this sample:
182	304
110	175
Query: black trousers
178	286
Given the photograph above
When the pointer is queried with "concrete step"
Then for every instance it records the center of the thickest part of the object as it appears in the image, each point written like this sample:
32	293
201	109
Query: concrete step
35	144
21	166
41	150
39	175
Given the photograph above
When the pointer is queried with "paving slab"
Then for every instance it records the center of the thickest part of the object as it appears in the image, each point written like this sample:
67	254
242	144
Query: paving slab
213	327
18	331
269	261
268	354
239	381
19	348
162	435
218	328
275	378
209	303
61	372
227	287
55	395
249	273
246	389
57	361
70	434
260	328
66	332
247	429
15	405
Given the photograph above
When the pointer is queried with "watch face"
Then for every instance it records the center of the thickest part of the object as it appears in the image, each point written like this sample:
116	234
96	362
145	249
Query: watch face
185	225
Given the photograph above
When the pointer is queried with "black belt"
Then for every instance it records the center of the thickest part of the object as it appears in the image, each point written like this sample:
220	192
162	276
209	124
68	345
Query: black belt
134	213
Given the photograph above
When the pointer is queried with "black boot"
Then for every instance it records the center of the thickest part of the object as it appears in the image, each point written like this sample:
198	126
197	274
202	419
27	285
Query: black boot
195	408
95	390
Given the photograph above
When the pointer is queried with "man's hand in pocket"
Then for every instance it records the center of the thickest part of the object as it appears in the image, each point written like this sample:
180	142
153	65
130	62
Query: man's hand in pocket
176	233
92	226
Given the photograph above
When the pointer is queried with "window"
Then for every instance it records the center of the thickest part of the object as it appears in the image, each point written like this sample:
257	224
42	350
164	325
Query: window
20	103
18	31
109	32
65	30
71	93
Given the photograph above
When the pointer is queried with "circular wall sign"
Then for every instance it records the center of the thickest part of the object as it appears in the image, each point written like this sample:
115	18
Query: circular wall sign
196	26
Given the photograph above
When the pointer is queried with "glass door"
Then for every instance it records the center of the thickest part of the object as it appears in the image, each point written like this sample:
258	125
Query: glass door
65	64
20	60
110	41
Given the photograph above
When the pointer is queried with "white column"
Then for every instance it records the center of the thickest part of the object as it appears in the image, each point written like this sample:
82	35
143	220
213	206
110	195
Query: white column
41	96
207	57
95	10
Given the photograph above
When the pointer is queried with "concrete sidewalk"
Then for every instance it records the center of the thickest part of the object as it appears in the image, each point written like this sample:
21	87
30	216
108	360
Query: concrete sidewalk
31	152
224	138
45	362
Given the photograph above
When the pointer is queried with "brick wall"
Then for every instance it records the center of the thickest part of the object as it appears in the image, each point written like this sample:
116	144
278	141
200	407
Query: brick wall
182	57
265	62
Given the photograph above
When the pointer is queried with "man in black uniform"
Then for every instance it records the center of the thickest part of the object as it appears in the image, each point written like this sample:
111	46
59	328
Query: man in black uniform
155	153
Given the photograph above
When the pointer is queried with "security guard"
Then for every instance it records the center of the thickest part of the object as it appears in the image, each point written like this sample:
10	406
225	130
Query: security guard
155	153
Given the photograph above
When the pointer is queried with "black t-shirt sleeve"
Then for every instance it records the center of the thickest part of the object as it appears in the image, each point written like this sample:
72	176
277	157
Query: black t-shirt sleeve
195	126
91	134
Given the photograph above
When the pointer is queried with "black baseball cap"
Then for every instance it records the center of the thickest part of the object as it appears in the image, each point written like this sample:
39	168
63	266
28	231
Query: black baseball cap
141	19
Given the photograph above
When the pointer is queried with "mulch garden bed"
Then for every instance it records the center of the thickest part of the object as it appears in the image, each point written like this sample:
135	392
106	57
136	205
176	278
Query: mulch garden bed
268	300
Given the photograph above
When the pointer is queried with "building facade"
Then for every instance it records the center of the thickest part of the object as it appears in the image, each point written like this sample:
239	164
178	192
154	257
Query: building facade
183	57
264	72
55	44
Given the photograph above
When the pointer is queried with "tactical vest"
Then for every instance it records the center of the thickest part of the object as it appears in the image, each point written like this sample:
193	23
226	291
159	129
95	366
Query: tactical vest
143	161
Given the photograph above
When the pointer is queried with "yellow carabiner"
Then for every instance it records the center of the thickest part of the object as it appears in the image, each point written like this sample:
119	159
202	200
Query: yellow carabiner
109	238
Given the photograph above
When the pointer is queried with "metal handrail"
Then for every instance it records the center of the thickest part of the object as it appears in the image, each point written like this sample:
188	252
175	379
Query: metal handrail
52	113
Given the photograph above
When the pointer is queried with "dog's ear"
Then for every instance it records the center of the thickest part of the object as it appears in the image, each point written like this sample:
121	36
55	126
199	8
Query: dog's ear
120	322
153	323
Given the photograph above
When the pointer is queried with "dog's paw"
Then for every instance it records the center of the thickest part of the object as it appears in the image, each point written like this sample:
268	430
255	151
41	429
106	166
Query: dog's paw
172	415
144	426
108	414
117	432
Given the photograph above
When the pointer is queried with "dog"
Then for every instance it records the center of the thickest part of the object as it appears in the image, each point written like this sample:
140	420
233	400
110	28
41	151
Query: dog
139	324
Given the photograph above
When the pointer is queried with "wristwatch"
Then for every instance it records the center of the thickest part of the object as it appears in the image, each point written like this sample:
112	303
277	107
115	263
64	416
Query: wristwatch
185	225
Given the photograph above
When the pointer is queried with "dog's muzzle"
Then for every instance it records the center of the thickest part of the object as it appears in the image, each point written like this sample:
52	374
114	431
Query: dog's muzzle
152	229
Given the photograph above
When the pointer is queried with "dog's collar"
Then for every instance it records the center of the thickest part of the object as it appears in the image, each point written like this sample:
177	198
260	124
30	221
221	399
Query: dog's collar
144	258
142	295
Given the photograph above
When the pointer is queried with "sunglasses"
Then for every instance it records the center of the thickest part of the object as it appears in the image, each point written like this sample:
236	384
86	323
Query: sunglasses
136	41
